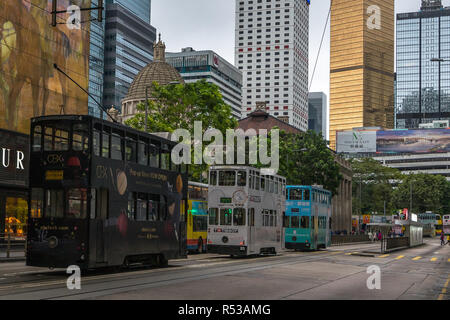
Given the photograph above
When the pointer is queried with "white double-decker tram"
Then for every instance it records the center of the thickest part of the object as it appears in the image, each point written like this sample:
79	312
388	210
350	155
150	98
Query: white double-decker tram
245	211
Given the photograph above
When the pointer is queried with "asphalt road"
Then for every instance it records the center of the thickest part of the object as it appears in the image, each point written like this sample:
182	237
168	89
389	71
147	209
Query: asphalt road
421	273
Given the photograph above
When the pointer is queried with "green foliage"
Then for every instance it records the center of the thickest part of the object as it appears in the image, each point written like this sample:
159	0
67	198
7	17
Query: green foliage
305	159
376	186
178	106
428	193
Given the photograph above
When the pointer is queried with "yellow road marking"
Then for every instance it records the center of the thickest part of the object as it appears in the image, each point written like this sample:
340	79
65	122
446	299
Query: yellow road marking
448	260
417	258
441	297
384	256
434	259
399	257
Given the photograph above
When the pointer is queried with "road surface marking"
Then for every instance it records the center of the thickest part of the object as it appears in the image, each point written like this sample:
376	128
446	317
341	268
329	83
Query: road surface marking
349	254
433	259
417	258
384	256
448	260
399	257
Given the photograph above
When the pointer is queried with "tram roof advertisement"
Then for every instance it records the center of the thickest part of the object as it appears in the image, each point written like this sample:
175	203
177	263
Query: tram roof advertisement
29	48
413	141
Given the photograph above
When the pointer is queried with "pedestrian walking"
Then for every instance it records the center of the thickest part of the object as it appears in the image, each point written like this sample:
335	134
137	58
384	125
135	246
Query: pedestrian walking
442	239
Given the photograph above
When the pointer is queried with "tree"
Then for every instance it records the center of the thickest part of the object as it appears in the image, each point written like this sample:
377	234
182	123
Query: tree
373	186
305	159
179	106
427	192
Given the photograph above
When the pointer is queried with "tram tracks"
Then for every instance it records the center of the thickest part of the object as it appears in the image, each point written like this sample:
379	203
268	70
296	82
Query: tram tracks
130	281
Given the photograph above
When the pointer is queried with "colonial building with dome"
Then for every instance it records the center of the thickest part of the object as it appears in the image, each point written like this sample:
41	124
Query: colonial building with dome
158	71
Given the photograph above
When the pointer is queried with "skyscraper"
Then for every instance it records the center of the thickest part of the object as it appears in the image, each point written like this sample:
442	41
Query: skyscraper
96	62
128	49
208	65
317	117
361	65
272	53
423	65
141	8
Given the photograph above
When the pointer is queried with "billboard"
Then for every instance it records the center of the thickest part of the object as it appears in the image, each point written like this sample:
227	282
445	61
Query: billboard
356	141
29	48
413	141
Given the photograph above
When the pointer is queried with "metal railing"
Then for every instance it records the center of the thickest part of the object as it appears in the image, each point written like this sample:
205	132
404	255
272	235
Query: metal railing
391	244
11	243
349	239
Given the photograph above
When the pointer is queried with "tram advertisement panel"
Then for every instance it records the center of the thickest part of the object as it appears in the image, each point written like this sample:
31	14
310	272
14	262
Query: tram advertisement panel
144	206
29	48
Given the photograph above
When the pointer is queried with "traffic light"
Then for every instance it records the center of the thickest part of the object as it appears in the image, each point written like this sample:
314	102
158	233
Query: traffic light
54	8
100	11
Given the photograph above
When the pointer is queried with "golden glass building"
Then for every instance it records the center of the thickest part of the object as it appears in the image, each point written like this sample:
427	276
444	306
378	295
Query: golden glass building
361	65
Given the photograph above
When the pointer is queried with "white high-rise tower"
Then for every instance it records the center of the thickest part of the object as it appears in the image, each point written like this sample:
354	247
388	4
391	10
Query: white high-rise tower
272	53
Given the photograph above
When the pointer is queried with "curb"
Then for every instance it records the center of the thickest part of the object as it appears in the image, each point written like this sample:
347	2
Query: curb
6	260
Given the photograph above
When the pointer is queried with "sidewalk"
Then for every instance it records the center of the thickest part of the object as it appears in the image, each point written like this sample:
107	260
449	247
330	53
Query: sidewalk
14	256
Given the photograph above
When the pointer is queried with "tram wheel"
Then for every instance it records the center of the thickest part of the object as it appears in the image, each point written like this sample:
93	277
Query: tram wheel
162	261
126	263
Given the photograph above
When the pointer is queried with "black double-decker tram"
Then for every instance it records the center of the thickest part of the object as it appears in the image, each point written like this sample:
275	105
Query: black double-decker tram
102	195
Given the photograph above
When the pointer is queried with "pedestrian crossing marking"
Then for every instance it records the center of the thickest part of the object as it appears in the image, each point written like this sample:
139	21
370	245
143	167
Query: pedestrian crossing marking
417	258
399	257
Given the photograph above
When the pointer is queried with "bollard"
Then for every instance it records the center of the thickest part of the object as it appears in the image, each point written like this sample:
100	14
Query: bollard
8	246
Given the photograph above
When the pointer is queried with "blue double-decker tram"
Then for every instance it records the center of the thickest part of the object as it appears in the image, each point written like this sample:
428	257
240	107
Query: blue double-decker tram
307	221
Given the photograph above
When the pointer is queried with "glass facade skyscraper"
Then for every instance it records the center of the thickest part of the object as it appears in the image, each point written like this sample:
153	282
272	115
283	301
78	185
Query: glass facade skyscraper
317	113
96	62
423	85
128	49
141	8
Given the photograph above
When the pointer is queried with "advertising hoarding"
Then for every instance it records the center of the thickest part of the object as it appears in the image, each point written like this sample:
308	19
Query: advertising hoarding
413	141
14	159
356	141
30	86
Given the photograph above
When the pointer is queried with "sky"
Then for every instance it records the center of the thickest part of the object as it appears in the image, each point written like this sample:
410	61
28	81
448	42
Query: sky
210	25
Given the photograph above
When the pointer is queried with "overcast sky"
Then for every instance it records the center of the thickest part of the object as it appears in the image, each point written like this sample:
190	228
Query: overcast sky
210	25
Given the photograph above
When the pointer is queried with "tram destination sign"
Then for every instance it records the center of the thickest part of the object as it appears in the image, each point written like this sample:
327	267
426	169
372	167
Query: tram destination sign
14	159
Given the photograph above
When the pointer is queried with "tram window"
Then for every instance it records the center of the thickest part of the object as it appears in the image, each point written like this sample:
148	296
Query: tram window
304	222
102	199
213	178
48	139
257	182
306	195
239	217
37	139
204	194
143	154
295	194
77	203
116	147
37	202
131	211
80	137
105	145
295	222
165	160
271	185
276	187
251	217
286	223
96	141
271	218
54	204
266	218
163	209
213	216
141	207
227	178
131	150
153	207
200	224
263	183
241	178
61	140
154	156
250	182
225	217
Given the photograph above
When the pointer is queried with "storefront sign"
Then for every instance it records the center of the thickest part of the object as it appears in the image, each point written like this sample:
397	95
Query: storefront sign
54	175
14	159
